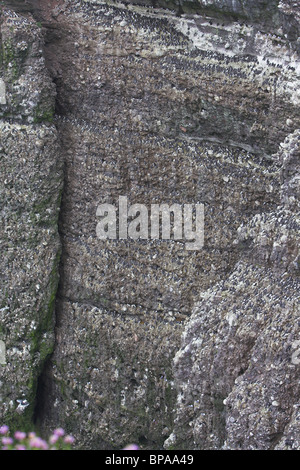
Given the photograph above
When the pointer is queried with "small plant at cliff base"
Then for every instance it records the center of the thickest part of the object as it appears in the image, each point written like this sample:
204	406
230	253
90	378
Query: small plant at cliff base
22	441
131	447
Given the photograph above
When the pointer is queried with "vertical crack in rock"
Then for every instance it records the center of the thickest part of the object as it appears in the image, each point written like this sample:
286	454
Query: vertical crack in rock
31	186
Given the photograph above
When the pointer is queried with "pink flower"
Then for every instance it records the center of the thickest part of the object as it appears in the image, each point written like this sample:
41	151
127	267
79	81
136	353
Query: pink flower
20	447
4	429
19	435
7	441
59	432
69	440
131	447
53	439
38	443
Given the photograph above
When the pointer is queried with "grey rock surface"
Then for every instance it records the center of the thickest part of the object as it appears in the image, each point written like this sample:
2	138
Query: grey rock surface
150	342
238	367
30	191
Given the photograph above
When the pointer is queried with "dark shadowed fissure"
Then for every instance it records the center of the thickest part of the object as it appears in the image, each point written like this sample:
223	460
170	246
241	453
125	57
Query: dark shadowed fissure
52	35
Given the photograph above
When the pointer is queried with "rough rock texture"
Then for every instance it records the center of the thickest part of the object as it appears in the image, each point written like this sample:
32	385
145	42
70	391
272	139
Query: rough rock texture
154	343
30	189
237	371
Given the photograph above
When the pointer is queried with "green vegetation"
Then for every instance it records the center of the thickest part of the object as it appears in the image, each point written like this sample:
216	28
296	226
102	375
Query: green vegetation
44	114
8	60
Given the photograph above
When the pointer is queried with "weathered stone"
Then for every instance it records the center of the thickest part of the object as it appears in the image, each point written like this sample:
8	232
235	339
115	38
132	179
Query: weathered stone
237	371
154	344
29	92
30	190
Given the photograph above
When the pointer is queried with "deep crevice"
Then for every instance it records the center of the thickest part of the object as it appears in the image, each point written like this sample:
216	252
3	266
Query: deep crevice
43	386
44	381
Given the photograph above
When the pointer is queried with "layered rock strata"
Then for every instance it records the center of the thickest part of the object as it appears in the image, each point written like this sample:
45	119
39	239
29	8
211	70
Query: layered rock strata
155	343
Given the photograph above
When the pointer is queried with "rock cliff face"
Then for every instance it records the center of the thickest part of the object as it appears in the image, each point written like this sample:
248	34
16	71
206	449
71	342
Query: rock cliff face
190	102
31	187
238	366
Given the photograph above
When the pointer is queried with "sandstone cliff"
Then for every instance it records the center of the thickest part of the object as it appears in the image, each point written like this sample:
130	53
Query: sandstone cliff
143	340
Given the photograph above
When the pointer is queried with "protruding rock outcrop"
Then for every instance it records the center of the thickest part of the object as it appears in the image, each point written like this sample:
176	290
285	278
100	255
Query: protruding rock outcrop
237	371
